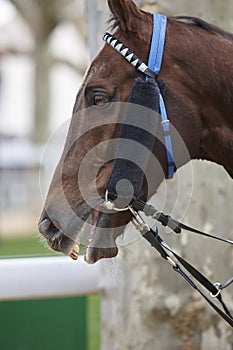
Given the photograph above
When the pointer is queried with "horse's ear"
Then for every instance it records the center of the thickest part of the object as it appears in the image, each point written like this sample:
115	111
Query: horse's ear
127	13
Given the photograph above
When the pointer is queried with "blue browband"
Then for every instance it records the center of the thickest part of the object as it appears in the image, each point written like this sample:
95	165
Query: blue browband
151	71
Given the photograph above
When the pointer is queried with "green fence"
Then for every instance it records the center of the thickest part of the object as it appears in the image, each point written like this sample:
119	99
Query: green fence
48	324
55	324
51	324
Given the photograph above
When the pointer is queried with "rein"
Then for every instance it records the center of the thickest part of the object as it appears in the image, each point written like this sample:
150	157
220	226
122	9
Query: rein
152	236
152	71
168	254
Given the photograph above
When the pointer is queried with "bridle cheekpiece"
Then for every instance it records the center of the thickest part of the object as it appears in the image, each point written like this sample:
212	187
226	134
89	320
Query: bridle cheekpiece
151	71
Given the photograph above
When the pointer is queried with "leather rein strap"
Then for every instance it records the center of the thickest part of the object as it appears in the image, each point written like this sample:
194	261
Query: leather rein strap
152	236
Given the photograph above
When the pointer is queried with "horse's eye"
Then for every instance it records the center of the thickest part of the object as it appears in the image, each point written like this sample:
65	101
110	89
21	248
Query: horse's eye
100	100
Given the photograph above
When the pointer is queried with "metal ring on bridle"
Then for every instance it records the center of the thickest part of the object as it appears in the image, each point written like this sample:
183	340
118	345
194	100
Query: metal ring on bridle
108	204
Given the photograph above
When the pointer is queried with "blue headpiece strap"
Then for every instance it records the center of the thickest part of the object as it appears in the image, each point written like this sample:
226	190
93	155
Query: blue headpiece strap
157	42
155	63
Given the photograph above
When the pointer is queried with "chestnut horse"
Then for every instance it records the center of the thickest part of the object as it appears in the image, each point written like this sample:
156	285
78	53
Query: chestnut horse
198	71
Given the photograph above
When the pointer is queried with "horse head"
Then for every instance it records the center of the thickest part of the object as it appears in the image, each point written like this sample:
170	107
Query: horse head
79	182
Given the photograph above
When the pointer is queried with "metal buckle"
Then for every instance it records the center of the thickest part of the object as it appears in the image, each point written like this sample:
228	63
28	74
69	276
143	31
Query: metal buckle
217	285
138	222
166	121
171	261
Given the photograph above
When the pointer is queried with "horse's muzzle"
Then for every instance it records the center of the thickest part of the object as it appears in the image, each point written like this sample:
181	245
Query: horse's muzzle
101	240
55	237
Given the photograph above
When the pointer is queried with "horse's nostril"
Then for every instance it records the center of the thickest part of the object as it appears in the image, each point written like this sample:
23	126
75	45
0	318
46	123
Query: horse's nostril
47	228
44	226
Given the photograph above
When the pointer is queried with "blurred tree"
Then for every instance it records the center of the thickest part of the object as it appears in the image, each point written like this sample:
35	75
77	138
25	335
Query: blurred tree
43	17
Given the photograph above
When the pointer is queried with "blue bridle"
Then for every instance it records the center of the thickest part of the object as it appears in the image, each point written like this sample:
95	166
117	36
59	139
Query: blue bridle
151	71
155	63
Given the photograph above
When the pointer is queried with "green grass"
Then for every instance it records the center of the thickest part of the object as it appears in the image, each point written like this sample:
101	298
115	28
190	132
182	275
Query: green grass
24	246
31	246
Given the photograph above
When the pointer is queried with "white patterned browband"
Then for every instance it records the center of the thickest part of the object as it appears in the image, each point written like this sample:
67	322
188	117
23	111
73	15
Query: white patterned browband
128	55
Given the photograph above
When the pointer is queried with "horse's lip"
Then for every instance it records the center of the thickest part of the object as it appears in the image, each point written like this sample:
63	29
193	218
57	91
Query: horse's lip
63	236
101	245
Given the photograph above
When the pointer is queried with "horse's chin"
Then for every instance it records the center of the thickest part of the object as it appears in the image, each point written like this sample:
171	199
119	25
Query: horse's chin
102	238
93	254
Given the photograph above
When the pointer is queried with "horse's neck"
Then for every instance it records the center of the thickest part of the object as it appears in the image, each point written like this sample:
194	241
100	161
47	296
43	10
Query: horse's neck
216	90
217	138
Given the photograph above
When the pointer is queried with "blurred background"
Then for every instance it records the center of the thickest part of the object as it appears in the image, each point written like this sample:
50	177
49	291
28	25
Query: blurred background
43	56
45	48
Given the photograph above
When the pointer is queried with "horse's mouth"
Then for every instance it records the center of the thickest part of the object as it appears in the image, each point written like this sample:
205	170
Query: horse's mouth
101	238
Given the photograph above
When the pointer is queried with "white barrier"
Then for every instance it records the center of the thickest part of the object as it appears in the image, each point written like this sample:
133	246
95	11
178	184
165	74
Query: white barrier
31	278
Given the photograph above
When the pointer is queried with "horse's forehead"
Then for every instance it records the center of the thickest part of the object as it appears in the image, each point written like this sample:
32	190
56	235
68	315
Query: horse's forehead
107	65
100	68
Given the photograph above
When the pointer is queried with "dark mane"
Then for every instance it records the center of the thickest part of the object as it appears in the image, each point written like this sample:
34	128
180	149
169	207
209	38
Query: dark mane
197	22
114	23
